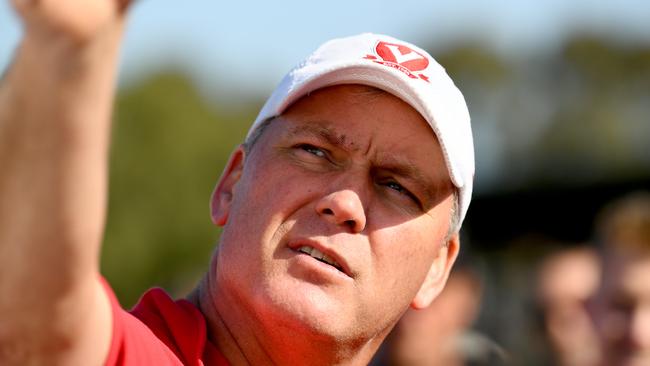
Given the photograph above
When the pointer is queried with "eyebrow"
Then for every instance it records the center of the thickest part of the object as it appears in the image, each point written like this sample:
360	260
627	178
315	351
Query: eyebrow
321	130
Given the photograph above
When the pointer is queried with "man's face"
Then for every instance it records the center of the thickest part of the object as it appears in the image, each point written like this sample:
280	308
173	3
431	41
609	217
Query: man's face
622	310
352	175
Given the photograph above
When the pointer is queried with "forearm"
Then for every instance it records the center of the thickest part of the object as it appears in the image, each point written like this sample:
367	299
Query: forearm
55	105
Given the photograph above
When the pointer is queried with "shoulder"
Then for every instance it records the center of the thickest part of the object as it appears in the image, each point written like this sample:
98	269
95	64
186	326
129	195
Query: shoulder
158	330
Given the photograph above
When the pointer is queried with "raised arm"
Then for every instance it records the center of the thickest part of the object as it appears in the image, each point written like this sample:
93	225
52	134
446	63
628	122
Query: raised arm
55	106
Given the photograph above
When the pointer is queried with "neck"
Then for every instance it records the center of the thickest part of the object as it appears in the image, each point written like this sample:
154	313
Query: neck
247	340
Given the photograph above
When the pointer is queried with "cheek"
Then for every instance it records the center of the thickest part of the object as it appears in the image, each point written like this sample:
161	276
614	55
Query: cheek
270	179
266	196
404	255
416	240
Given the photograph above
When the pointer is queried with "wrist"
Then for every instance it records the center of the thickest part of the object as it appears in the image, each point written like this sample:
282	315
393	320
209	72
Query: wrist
66	58
61	44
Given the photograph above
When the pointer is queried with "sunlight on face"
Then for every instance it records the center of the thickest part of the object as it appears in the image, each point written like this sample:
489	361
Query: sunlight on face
340	210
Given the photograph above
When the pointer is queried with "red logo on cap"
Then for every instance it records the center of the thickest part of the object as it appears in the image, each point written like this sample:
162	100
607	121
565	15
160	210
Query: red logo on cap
402	58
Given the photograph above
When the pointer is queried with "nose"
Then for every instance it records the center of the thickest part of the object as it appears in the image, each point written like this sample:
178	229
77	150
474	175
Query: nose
343	208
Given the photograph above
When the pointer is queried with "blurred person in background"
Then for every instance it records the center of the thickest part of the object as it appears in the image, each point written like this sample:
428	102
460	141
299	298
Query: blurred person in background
621	307
442	334
340	211
566	281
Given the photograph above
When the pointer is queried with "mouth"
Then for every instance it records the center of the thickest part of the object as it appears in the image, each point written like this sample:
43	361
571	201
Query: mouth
320	256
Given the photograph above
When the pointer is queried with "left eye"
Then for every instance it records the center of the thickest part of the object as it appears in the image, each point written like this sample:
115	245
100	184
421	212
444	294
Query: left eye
400	189
313	150
396	186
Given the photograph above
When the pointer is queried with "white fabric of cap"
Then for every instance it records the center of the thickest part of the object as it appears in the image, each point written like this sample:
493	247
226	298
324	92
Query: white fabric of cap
388	64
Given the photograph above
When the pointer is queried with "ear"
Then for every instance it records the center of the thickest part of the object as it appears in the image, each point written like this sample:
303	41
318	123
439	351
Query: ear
437	276
222	195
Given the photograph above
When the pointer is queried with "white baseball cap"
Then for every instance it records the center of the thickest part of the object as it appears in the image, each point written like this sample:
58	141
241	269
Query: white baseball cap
401	69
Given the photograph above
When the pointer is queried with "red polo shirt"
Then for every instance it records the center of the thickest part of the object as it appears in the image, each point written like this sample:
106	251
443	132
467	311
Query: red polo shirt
160	331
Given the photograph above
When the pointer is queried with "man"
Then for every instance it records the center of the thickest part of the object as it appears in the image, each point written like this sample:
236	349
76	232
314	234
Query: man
566	282
621	308
340	210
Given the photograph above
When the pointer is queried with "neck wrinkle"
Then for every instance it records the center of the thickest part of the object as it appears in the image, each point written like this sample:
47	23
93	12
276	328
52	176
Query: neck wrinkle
217	331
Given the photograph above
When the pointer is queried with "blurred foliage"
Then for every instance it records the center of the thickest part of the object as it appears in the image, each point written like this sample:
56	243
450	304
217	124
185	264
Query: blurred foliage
602	123
578	115
169	147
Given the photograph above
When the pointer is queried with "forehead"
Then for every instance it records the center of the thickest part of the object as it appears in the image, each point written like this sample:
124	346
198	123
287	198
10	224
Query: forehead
629	276
351	101
354	114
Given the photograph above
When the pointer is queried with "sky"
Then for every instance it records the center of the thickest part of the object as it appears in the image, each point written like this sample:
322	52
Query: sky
245	48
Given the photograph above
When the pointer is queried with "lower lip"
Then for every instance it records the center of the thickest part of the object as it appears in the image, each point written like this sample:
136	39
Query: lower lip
316	269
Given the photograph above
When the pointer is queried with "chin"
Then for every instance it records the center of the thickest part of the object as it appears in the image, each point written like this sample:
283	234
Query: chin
311	311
